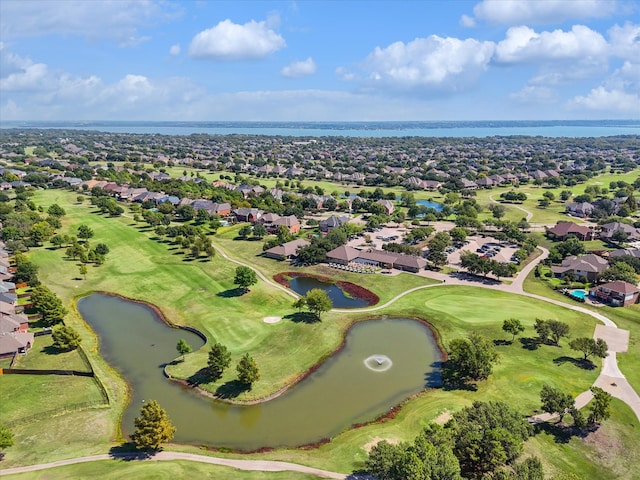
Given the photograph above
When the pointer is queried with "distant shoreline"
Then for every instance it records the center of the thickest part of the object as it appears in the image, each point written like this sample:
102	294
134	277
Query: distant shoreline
479	129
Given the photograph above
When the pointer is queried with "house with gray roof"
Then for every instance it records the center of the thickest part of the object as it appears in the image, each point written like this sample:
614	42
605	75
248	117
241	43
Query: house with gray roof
585	267
286	250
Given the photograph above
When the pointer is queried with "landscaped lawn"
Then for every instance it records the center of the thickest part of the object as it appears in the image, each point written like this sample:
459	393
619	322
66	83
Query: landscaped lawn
119	469
44	355
26	397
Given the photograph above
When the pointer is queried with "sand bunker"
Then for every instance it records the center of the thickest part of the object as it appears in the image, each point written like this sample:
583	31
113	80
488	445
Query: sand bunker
272	319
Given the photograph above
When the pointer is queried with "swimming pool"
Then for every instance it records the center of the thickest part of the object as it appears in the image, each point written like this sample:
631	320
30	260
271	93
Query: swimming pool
579	294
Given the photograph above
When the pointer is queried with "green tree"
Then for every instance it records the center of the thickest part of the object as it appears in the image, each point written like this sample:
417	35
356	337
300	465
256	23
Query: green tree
152	427
245	277
58	241
486	436
48	305
56	210
40	232
600	406
299	303
245	231
85	232
259	230
557	330
6	439
620	271
65	338
102	249
470	358
318	301
247	369
589	346
542	329
186	212
26	271
83	271
218	361
555	402
512	326
183	347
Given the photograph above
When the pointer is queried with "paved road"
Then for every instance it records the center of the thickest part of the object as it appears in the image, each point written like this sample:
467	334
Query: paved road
528	214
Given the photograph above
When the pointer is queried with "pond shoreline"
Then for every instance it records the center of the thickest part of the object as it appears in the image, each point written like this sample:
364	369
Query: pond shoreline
349	288
389	414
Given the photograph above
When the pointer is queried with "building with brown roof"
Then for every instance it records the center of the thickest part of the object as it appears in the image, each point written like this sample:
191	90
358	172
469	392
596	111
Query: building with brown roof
563	230
585	267
286	250
616	294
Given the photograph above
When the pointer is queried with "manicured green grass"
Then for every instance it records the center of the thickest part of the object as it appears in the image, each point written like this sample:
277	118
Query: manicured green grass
44	355
25	397
150	469
555	211
627	318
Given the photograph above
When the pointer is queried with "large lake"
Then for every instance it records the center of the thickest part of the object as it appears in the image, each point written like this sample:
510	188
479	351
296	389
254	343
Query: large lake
551	128
382	363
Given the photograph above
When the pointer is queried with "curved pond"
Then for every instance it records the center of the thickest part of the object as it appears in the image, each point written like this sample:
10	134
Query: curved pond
301	285
382	363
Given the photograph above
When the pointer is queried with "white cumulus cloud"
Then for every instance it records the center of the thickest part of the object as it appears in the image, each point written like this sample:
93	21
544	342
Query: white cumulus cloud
625	40
174	50
300	69
538	12
432	63
610	102
231	41
523	44
95	20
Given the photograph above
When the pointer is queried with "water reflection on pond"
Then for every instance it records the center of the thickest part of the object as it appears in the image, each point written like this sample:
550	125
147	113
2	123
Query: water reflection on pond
343	391
302	285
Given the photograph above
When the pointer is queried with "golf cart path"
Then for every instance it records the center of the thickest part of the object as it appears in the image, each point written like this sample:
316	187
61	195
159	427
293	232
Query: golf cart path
256	465
527	212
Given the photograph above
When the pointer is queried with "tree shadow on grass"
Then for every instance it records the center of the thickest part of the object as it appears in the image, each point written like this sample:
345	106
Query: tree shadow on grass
201	376
529	343
451	380
128	452
360	474
232	389
560	432
578	362
303	317
500	343
232	292
51	350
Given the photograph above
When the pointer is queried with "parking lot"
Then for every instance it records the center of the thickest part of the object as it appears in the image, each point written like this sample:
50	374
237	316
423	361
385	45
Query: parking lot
380	237
491	247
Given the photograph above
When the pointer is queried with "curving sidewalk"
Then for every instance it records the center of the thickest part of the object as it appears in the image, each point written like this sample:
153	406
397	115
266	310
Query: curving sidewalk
529	215
259	465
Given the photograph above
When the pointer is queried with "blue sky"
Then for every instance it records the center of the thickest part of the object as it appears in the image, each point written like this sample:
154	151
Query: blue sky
319	60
